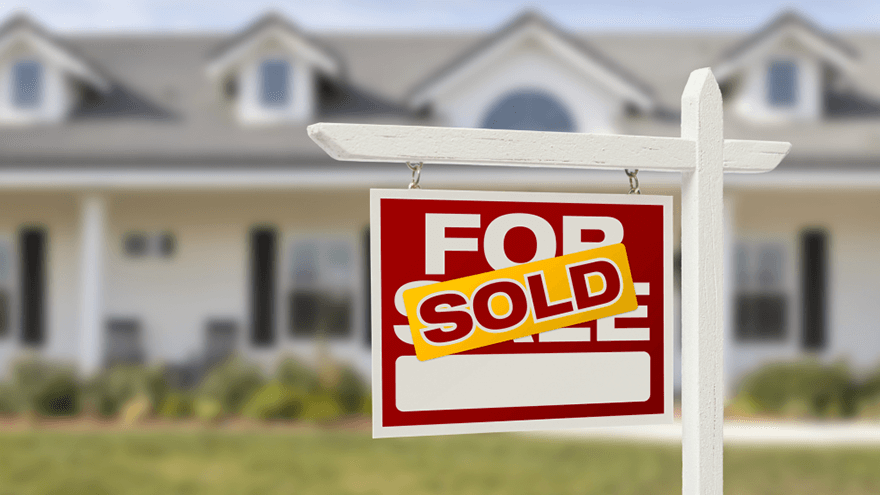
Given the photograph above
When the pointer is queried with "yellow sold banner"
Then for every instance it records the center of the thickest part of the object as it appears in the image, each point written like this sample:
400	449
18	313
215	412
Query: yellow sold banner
479	310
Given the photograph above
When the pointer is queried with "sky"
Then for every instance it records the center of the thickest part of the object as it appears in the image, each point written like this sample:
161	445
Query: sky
436	15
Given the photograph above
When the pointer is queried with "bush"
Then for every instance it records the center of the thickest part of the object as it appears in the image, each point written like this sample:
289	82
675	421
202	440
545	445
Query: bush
231	384
207	409
111	389
11	402
292	373
275	400
176	405
47	389
806	388
321	408
350	391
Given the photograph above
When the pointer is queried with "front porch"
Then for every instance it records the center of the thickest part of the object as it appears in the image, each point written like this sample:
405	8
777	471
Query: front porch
185	277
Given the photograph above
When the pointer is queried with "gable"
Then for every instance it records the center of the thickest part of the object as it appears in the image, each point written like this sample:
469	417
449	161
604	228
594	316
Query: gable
531	33
273	34
788	33
22	36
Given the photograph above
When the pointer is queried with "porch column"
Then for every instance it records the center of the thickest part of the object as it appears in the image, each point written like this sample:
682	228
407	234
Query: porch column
91	311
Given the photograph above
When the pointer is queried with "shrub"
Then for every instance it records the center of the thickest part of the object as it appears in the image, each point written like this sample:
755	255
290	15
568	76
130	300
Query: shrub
292	373
136	409
208	409
806	388
176	405
11	402
47	389
321	408
275	400
869	395
111	389
350	391
231	384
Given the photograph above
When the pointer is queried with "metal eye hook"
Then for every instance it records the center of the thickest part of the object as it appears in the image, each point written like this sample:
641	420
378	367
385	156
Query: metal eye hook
633	181
416	174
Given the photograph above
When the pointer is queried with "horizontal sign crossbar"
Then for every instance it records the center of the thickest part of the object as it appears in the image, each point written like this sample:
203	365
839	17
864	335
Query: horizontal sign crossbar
447	145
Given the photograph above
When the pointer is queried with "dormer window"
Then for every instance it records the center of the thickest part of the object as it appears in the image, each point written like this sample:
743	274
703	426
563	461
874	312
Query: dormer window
275	83
782	84
27	86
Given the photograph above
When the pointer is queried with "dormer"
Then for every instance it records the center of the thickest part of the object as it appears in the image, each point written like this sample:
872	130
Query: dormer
41	78
783	72
270	72
531	75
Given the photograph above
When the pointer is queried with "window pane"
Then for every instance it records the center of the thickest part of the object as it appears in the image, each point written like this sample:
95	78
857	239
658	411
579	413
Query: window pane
782	84
28	84
304	313
337	316
529	111
337	269
742	267
135	244
769	267
167	244
5	263
760	317
304	269
274	82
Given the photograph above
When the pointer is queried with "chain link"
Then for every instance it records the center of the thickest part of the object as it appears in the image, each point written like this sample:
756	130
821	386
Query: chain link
633	181
416	174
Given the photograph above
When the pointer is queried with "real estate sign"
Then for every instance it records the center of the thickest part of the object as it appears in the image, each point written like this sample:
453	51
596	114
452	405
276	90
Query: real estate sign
501	311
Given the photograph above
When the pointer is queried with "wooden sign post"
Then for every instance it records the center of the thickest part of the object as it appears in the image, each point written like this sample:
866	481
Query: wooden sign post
701	154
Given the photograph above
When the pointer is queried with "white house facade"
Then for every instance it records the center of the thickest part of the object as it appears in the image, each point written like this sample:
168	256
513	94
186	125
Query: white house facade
160	200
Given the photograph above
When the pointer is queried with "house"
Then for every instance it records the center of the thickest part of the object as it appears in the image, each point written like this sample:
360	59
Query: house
161	200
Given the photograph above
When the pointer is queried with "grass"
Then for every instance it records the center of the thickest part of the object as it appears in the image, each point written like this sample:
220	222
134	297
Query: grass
304	461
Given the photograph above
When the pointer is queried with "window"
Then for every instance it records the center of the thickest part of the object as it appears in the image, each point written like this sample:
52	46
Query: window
761	301
321	295
529	111
782	84
274	84
27	86
143	244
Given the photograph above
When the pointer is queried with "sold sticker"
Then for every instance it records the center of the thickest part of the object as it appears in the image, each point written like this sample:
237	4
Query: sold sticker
479	310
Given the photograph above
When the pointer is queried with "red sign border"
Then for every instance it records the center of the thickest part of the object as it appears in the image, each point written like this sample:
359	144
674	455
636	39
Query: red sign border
380	431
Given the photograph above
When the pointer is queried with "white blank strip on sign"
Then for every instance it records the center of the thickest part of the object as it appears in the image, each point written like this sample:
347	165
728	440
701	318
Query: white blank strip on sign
566	334
512	380
606	331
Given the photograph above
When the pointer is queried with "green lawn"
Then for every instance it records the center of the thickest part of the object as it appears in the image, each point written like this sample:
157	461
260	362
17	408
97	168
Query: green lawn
302	462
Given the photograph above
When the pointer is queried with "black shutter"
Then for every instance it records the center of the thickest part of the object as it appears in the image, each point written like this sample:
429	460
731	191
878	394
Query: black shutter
263	254
33	285
814	288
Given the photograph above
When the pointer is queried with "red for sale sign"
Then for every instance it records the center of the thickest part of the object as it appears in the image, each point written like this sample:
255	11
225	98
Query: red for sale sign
614	370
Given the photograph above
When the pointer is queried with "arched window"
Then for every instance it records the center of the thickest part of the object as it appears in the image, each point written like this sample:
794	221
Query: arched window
275	85
27	85
529	111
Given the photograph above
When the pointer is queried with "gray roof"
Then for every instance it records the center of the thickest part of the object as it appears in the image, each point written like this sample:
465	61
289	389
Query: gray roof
165	112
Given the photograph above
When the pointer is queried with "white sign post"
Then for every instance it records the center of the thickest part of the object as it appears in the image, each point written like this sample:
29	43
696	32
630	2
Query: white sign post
701	154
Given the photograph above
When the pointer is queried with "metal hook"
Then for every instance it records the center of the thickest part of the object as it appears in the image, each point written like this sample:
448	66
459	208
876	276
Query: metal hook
416	174
633	181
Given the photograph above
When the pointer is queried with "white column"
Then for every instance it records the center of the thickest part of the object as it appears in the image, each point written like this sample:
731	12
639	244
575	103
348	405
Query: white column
702	262
92	224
